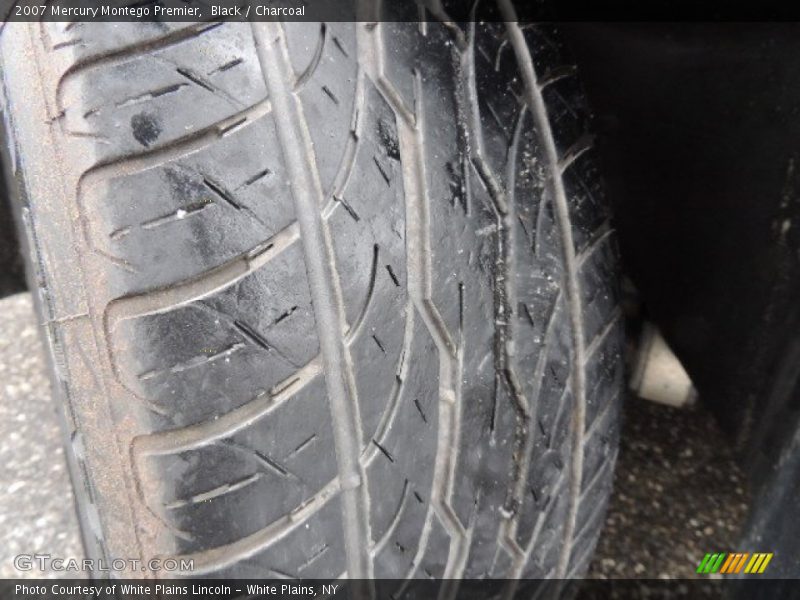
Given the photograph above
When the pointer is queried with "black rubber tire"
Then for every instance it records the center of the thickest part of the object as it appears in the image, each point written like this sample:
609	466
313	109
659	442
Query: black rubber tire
322	299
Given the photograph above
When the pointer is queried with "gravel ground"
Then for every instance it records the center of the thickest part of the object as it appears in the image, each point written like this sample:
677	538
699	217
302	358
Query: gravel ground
678	492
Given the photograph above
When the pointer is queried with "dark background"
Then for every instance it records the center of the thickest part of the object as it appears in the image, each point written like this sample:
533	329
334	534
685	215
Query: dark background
699	128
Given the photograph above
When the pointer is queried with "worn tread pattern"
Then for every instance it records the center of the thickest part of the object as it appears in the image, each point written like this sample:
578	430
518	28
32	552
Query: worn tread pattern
356	316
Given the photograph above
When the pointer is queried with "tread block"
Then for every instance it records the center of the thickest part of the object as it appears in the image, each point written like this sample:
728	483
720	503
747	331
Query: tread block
314	545
590	214
600	297
215	354
141	98
225	474
180	219
605	372
401	465
328	94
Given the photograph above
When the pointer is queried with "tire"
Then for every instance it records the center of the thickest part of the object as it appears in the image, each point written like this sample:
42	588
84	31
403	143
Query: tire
322	299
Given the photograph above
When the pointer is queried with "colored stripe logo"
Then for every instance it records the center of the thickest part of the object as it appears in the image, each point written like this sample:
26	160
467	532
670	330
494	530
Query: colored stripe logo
734	562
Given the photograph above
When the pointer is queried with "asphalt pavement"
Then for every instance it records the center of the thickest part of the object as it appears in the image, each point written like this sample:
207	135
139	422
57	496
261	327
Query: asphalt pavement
678	491
36	503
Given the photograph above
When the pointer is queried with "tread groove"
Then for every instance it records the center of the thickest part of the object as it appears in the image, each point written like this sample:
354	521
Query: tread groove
561	205
131	51
165	299
221	490
309	71
215	559
355	328
191	437
308	198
